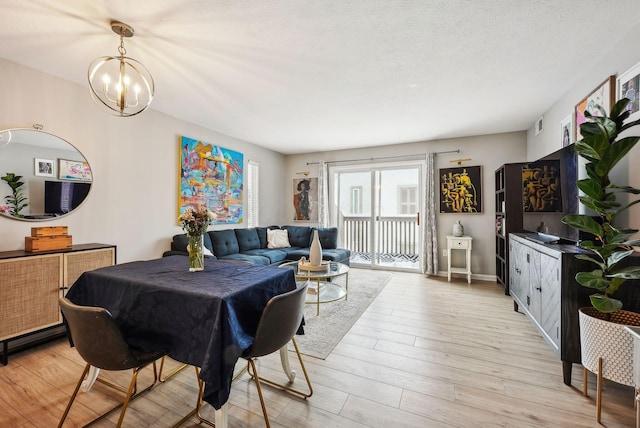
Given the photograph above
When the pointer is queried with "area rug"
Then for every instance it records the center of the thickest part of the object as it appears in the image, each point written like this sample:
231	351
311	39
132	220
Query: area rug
324	331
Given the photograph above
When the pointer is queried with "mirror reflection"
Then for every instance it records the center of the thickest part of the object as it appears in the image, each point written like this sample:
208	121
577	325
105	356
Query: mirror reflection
42	176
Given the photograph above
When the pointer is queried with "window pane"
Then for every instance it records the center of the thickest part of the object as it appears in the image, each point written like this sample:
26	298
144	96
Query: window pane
253	172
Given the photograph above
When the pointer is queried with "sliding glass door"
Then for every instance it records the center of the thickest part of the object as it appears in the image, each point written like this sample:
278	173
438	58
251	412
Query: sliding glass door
378	214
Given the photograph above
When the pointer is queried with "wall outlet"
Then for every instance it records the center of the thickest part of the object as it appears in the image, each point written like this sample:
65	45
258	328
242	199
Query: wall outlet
444	253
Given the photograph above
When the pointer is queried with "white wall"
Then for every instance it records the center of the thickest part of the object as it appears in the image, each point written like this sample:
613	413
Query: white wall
133	200
489	151
622	56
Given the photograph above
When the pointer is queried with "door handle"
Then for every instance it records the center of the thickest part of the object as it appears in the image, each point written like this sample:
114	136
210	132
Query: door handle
418	214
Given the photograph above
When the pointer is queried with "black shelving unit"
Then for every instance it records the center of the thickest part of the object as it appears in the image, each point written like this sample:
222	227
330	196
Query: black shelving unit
508	208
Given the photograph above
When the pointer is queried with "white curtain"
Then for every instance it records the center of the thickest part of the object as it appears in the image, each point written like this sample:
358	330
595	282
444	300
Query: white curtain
430	237
323	194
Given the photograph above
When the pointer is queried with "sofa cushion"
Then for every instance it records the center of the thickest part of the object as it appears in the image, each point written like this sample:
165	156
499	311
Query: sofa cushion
299	236
328	237
341	255
256	260
247	239
275	255
224	242
180	242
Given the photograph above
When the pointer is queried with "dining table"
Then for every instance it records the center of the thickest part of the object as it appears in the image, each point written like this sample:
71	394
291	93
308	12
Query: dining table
204	318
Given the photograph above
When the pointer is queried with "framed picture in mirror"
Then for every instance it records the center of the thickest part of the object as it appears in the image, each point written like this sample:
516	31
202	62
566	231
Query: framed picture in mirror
44	167
74	170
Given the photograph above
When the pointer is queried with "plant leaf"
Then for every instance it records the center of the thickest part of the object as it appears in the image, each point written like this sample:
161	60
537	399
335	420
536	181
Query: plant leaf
616	151
626	207
626	189
615	284
605	304
619	108
629	272
602	265
593	279
586	151
617	256
590	187
584	223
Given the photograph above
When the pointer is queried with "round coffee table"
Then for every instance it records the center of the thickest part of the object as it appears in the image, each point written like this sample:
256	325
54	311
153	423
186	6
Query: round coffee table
322	288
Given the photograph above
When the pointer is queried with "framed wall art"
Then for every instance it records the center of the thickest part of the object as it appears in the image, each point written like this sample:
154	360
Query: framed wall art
541	189
566	130
461	189
305	199
211	176
74	170
627	86
44	167
603	96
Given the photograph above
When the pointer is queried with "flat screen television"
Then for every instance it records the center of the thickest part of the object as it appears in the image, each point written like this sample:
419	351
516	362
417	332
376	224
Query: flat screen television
60	197
549	192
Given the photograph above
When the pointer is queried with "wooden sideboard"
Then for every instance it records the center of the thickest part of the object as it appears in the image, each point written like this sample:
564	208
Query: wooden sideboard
31	284
543	286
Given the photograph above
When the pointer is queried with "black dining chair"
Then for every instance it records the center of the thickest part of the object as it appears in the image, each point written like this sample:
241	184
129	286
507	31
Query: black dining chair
280	320
101	344
278	325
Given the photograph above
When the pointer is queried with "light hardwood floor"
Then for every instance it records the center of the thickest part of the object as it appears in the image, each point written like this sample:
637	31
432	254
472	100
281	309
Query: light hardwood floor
426	353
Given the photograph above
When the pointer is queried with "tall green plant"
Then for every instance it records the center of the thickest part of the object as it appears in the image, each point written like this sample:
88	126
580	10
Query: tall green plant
602	148
17	201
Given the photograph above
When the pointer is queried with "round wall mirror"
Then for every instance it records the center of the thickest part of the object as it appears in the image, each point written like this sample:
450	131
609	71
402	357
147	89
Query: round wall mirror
42	176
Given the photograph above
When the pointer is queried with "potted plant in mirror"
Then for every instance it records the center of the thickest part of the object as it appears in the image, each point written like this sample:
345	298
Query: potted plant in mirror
16	200
602	334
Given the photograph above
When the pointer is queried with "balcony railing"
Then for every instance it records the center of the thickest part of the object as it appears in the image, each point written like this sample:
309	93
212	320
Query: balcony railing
397	235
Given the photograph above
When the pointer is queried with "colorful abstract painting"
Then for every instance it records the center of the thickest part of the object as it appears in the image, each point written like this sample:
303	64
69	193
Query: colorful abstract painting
211	176
461	189
74	170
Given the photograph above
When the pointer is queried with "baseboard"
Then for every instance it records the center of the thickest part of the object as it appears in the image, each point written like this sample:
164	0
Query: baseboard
476	276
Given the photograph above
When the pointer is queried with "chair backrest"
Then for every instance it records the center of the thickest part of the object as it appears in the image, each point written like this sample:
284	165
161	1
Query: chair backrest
280	320
97	338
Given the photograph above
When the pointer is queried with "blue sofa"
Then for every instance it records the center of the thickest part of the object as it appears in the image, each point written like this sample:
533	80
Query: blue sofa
250	245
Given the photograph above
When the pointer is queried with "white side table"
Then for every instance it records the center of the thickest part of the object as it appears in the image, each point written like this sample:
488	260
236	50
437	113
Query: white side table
459	243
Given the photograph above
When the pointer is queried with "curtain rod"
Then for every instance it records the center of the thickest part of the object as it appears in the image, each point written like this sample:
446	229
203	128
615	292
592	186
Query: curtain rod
408	157
448	151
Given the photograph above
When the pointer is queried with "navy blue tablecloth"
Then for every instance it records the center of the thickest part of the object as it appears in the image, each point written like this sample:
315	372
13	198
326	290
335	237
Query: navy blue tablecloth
206	319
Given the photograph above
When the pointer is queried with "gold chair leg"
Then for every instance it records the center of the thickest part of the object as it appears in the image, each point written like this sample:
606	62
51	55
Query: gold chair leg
131	393
127	398
599	392
304	394
172	373
256	378
73	396
584	381
196	411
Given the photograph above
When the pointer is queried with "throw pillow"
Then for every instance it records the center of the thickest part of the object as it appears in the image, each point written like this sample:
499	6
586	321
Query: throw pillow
278	238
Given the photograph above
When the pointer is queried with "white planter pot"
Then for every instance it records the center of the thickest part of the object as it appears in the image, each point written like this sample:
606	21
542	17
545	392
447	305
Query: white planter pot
610	341
607	348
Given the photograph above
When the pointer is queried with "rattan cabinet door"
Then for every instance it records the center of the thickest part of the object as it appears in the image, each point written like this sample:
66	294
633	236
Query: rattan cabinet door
29	291
78	262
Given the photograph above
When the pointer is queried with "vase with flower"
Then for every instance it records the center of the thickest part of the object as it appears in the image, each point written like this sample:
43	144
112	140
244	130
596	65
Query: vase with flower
194	222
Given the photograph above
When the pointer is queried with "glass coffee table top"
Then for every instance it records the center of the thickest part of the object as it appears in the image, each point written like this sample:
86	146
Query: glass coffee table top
323	288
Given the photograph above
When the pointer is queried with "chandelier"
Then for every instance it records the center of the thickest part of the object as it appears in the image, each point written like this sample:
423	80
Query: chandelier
120	83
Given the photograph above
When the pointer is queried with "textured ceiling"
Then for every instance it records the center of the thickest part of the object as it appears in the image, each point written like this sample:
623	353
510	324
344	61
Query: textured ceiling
306	75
